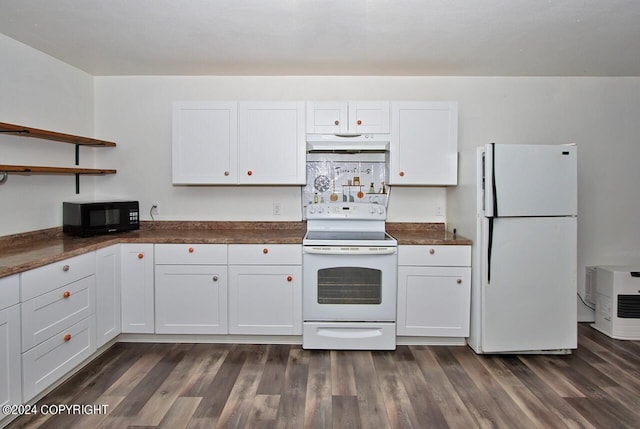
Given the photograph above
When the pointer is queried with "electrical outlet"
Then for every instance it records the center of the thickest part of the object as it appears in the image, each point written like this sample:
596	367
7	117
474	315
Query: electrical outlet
438	211
277	209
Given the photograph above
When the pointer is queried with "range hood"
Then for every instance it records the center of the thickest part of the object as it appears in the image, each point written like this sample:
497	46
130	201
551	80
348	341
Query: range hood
347	143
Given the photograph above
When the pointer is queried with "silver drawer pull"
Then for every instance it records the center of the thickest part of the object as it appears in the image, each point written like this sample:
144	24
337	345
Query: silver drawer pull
459	281
65	268
432	251
215	278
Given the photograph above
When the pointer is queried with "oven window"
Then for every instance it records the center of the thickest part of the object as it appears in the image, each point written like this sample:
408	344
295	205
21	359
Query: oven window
349	285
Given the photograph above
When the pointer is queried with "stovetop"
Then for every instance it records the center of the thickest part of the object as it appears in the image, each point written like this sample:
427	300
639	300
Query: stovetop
349	238
352	224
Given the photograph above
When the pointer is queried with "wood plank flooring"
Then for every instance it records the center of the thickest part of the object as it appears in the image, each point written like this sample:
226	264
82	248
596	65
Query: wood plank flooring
283	386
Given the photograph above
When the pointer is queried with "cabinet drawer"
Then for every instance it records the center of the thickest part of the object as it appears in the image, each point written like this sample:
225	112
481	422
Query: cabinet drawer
50	313
185	254
49	361
9	291
44	279
261	254
438	256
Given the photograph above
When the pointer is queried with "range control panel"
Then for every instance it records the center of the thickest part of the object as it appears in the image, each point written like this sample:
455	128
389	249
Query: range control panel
368	211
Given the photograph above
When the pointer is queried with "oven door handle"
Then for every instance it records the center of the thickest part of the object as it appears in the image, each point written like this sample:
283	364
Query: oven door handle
373	251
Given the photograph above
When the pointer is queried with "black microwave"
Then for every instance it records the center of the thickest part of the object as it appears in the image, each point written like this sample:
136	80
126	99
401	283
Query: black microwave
99	217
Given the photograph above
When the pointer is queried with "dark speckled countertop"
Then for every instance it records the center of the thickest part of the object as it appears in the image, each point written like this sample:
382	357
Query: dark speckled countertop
425	234
21	252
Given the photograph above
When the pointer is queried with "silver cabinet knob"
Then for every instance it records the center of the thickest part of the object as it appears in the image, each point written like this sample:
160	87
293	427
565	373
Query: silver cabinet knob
226	173
432	251
215	278
337	122
65	268
459	281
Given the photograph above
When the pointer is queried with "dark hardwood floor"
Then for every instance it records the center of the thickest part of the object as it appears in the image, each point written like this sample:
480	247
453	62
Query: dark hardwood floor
282	386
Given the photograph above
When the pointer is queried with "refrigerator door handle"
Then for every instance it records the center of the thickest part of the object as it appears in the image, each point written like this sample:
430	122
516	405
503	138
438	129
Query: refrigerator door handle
489	248
494	192
491	197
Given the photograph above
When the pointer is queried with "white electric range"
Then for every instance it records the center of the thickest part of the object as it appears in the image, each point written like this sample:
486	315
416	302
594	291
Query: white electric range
349	278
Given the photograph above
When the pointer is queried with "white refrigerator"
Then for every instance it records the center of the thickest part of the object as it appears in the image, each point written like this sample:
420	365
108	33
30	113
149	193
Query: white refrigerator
525	284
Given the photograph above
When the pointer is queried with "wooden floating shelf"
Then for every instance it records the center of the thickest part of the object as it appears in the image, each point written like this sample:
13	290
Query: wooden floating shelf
21	131
30	169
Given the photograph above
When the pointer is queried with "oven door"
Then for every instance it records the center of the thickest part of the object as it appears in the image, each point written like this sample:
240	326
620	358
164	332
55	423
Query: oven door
354	284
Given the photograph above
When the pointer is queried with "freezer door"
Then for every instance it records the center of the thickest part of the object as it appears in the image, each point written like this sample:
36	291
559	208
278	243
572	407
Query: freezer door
530	180
529	303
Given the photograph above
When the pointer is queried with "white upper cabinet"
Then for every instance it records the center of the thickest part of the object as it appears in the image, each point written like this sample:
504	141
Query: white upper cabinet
227	143
424	143
272	143
353	117
205	143
327	117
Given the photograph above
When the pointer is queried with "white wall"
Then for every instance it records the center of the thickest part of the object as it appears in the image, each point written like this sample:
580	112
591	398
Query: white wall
39	91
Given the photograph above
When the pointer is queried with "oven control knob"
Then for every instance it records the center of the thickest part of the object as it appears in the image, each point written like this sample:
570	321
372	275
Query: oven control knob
320	209
381	210
312	209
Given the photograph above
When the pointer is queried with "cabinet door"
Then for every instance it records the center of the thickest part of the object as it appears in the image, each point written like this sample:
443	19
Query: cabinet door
10	357
327	117
265	299
205	143
272	144
191	299
369	117
136	288
108	317
434	301
424	143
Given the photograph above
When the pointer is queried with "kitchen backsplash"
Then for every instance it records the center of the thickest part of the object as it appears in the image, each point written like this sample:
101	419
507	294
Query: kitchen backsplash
356	178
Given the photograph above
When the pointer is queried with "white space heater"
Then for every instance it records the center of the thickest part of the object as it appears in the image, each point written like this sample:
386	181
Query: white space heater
617	290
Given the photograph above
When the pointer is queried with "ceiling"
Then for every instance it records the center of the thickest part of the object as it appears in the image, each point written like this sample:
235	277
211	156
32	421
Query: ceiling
333	37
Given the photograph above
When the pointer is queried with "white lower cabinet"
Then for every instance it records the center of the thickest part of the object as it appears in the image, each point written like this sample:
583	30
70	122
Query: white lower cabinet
58	321
50	313
108	314
10	356
191	299
265	289
136	288
52	359
433	299
191	289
